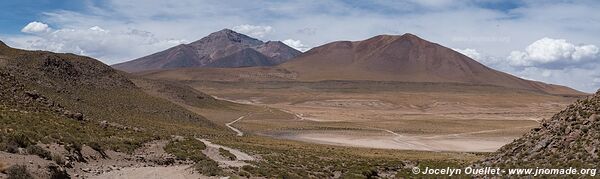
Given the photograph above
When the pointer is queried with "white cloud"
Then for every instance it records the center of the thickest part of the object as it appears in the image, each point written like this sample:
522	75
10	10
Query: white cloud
109	46
297	44
36	27
548	51
469	52
578	78
480	57
253	31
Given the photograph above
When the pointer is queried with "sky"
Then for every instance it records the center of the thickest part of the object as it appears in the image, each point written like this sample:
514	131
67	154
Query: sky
553	41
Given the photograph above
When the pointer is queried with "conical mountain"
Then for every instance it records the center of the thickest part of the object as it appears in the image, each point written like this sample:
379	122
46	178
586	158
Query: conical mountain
405	58
224	48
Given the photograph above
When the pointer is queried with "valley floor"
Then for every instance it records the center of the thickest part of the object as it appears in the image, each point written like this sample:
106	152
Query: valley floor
463	119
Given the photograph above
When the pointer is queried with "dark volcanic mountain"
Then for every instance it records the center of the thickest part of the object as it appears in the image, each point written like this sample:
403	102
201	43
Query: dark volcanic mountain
569	138
406	58
225	49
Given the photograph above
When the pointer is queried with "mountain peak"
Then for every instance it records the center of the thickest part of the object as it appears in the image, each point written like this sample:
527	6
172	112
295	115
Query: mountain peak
2	44
409	35
381	40
233	48
406	58
227	36
227	32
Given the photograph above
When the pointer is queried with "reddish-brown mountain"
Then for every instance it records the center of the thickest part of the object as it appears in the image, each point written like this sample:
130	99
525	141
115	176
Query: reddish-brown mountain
406	58
225	48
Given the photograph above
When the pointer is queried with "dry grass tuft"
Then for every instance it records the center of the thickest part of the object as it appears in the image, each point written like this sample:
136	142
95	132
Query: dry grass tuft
3	166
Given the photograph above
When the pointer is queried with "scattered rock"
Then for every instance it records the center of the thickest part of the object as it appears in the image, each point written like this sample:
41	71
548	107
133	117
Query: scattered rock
569	137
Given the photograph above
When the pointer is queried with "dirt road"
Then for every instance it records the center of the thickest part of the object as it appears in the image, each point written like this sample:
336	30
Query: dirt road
212	151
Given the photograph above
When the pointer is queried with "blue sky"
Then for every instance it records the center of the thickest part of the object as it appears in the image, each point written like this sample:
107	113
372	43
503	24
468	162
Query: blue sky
552	41
16	14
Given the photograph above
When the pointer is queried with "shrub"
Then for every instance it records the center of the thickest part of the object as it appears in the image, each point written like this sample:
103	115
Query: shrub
245	174
75	148
12	142
18	172
39	151
19	139
58	159
227	154
98	148
191	149
208	167
57	172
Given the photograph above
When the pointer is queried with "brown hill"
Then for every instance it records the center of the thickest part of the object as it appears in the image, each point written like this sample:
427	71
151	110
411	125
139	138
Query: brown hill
77	100
224	48
569	139
406	58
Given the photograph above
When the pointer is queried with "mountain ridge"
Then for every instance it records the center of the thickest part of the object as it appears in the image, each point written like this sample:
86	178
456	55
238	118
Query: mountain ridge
210	50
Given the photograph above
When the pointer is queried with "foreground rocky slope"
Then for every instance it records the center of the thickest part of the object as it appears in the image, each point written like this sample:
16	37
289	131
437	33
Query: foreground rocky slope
571	138
79	115
224	49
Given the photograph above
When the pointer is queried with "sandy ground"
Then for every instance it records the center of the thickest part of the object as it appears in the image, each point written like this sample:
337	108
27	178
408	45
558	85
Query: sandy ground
472	141
148	161
170	172
462	144
373	114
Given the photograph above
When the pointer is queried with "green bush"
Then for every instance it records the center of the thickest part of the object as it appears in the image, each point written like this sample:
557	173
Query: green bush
18	172
98	148
208	167
57	172
39	151
191	149
58	159
227	154
13	141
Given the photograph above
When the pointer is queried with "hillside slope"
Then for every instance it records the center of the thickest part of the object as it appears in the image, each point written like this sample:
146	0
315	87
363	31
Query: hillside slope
73	99
225	48
571	138
406	58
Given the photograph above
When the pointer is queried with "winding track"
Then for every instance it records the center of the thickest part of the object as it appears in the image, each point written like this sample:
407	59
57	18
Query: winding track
239	133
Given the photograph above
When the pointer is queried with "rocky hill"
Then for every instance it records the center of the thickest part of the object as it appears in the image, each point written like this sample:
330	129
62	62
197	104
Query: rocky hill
225	49
570	138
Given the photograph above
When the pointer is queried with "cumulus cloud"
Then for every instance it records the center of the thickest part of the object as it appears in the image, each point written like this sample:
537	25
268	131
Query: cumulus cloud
578	78
469	52
585	77
297	44
252	30
553	53
36	27
109	46
480	57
